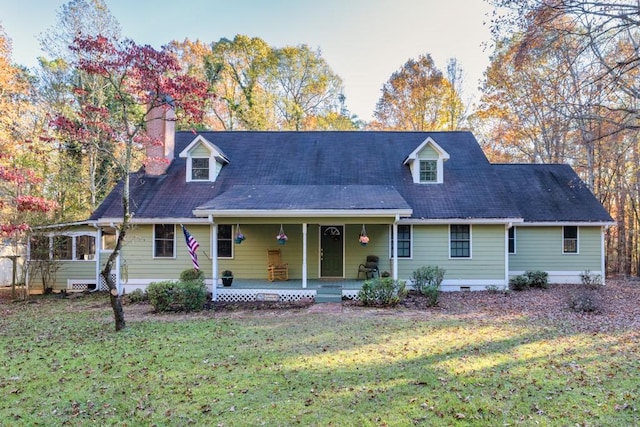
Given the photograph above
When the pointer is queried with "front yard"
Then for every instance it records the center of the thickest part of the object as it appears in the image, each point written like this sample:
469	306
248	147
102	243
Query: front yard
478	359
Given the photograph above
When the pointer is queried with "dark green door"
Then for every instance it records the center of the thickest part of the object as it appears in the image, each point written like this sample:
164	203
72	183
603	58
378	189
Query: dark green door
331	251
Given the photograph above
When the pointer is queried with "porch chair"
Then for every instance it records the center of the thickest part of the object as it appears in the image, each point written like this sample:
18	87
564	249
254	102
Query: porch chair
276	269
369	268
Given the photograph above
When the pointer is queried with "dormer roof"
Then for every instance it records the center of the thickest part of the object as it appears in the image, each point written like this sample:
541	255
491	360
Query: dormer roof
215	151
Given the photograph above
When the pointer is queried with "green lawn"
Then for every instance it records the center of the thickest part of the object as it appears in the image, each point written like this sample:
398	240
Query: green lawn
62	364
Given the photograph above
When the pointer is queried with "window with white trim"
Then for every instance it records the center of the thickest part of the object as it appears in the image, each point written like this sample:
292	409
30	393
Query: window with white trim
404	241
63	247
512	240
225	242
199	169
460	241
570	239
164	240
428	170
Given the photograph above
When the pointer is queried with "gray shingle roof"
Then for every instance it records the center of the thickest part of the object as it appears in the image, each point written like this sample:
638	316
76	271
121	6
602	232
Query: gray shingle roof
551	192
328	170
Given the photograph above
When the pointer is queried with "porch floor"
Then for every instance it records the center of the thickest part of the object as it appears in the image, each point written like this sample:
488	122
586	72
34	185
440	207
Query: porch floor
314	284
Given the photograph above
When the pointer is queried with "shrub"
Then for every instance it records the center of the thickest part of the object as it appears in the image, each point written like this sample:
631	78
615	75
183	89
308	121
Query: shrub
192	295
191	274
382	291
161	295
177	296
584	302
427	280
538	279
519	283
137	296
495	289
590	280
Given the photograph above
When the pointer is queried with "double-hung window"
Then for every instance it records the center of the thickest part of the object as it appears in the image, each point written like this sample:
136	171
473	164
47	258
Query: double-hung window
199	169
225	242
404	241
428	170
570	239
164	240
512	240
460	241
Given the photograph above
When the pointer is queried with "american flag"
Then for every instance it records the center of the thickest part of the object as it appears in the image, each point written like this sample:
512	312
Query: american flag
193	246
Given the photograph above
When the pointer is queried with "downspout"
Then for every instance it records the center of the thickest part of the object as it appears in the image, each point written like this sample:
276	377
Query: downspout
395	247
304	255
214	259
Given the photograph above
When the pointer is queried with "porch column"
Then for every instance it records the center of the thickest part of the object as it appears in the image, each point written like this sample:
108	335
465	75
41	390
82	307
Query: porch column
214	258
506	255
304	255
603	267
97	256
395	249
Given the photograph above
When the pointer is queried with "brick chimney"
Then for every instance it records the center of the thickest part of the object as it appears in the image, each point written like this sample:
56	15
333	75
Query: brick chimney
161	126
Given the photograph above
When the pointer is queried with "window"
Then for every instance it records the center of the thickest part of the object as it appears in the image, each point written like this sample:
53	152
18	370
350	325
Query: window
428	170
164	240
570	239
460	241
512	240
85	247
224	241
404	241
40	248
63	247
199	169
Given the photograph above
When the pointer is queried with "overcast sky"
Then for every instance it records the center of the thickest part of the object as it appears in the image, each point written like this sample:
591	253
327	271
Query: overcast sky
364	41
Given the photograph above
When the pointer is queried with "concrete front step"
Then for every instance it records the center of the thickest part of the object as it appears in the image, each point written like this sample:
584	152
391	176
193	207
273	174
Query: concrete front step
329	293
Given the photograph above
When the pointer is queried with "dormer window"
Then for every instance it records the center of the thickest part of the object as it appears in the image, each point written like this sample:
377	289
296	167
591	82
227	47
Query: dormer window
428	170
204	160
427	163
199	169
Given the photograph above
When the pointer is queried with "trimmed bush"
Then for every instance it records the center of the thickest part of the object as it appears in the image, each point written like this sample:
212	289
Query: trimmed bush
137	296
161	295
519	283
382	291
538	279
191	274
177	296
427	281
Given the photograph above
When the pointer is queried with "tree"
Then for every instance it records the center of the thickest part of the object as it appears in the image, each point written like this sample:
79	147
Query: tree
142	80
83	172
417	97
305	86
22	203
238	70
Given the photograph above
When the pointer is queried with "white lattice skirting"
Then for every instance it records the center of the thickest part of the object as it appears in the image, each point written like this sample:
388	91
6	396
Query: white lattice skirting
79	285
247	295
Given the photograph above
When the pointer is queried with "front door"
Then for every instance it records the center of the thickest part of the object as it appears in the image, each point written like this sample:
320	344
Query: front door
331	251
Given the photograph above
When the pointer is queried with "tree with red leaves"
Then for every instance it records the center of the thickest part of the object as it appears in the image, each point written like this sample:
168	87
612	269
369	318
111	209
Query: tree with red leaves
140	79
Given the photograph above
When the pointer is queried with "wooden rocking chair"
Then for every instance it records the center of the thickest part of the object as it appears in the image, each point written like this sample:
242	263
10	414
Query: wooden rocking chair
277	270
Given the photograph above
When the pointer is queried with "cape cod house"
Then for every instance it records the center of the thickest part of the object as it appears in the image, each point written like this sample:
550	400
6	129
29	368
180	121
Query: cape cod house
421	198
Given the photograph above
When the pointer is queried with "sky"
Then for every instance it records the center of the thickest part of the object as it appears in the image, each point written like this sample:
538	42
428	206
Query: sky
363	41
